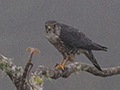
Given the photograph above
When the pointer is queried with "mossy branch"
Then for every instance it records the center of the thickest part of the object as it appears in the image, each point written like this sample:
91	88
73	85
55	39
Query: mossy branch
20	76
55	73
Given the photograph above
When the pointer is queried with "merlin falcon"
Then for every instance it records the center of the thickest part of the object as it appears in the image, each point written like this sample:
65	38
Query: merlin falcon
70	41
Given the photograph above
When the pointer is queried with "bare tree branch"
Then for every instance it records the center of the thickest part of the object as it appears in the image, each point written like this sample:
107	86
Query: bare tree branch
55	73
16	73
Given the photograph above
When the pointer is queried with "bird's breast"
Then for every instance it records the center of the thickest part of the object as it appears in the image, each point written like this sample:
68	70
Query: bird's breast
52	38
56	42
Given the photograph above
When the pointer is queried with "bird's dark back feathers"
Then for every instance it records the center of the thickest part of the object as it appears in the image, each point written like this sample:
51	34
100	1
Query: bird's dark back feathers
75	39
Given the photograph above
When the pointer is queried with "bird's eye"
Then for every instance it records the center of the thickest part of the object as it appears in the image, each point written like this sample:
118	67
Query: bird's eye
54	25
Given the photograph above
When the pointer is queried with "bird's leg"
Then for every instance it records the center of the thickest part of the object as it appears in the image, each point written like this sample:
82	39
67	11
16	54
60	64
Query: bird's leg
65	62
62	61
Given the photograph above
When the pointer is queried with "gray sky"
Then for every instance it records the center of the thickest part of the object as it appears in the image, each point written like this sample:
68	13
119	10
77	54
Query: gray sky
22	25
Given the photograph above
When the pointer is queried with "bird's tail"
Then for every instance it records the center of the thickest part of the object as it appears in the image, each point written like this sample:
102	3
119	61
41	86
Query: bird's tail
91	57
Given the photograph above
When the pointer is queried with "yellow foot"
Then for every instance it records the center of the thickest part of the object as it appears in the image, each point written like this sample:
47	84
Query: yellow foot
60	65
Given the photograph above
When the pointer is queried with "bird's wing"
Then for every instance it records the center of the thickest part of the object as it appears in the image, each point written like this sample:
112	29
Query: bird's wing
73	38
76	39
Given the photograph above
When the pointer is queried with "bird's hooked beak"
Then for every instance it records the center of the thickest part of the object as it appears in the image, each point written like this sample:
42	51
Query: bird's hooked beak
49	27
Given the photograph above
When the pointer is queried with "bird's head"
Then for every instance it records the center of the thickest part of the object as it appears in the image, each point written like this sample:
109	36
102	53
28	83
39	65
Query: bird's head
52	27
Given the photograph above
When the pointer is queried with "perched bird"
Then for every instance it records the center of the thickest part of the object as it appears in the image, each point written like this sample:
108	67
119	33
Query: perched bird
70	41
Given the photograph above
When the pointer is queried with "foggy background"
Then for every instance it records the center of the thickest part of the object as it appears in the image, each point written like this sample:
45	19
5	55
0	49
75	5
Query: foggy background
22	25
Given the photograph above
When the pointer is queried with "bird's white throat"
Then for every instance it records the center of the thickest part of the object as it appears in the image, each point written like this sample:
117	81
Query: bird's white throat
52	37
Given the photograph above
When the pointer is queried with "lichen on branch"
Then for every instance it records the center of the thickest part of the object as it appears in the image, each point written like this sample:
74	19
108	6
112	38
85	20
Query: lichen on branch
55	73
22	81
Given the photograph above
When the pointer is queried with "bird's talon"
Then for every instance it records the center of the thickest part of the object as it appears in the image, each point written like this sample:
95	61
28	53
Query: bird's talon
61	66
